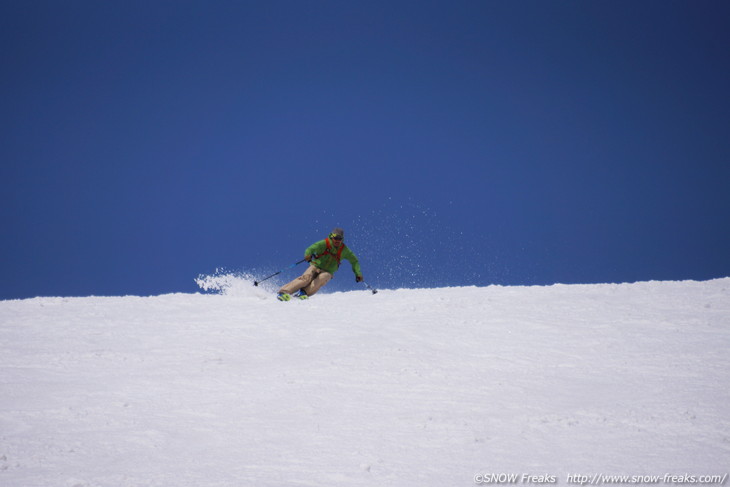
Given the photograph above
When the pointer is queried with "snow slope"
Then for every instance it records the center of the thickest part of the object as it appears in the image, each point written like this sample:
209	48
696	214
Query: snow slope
422	387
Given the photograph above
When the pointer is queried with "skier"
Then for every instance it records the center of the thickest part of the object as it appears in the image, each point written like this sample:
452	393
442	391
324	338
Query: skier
324	259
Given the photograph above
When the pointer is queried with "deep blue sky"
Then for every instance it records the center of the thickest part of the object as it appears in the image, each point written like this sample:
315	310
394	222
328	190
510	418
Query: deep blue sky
458	143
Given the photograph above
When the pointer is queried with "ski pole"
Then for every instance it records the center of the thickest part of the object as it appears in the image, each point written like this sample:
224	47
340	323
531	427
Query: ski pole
256	283
375	291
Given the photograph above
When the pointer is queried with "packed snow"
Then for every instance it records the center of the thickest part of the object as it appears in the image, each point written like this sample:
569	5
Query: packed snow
562	385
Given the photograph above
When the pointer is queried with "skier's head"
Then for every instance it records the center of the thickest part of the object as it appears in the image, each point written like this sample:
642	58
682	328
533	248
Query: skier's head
337	235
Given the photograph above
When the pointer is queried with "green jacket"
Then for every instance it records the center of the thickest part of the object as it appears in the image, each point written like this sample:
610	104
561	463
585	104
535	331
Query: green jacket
328	262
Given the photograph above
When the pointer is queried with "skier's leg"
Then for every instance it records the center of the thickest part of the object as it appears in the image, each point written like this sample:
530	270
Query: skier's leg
300	282
320	280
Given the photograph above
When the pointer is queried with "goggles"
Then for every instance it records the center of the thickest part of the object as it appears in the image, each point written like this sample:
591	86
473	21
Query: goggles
335	237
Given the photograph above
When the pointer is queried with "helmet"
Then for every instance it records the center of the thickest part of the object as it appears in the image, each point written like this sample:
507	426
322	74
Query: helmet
337	232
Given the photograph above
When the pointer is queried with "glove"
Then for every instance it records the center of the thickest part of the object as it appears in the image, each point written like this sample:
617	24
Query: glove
308	258
358	278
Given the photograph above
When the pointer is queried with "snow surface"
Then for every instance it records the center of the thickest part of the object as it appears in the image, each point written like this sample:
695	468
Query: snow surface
420	387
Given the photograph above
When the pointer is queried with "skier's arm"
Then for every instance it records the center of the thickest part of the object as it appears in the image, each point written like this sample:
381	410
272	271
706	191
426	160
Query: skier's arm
350	256
315	249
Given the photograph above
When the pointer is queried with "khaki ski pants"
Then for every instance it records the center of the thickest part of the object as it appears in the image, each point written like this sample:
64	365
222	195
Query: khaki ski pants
310	282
